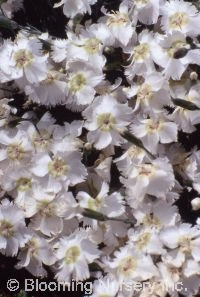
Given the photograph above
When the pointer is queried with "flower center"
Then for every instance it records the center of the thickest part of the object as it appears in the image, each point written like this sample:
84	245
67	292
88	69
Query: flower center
185	243
153	127
6	229
127	266
46	208
117	19
41	139
15	152
91	45
145	92
141	52
150	220
94	203
143	240
178	20
77	82
146	170
23	58
23	184
106	121
72	255
57	167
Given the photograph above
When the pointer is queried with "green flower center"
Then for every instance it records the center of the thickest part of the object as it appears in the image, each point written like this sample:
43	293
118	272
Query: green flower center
15	152
72	255
57	167
106	121
23	184
23	58
141	52
92	45
77	82
6	229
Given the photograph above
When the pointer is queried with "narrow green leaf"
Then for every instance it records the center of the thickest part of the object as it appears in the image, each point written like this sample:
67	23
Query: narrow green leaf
131	138
185	104
92	214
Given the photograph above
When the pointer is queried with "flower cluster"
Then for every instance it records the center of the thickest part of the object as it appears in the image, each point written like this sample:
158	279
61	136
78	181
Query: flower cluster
100	185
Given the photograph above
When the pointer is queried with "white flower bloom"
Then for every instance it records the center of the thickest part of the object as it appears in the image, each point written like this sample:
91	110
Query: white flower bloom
48	210
178	15
89	44
146	240
132	156
50	91
74	253
81	82
104	118
128	264
120	25
156	215
25	58
13	231
110	205
185	237
72	7
41	134
164	50
36	252
153	130
16	151
154	178
141	56
152	93
63	168
147	11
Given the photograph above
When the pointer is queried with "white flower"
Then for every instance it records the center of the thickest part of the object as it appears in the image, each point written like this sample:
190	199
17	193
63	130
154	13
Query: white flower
156	215
72	7
81	82
146	240
110	205
153	130
184	237
13	231
89	44
128	264
63	168
178	15
166	46
25	58
147	11
74	253
120	25
141	55
154	178
16	151
36	252
104	118
48	210
50	91
152	92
